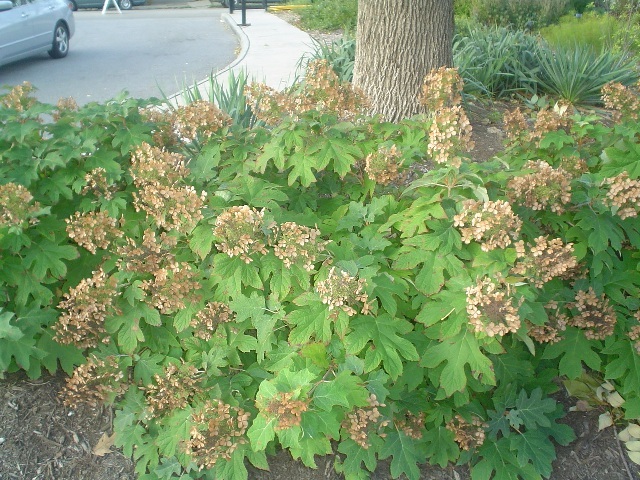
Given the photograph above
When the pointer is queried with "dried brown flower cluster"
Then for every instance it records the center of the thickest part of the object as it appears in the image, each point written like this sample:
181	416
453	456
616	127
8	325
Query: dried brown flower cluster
206	321
85	309
240	231
16	210
544	260
93	383
155	166
217	431
469	435
551	119
515	124
162	135
544	188
286	410
64	105
412	425
442	88
493	224
18	97
321	91
622	100
383	166
198	121
593	314
93	230
634	333
342	291
550	332
172	287
173	390
148	257
298	245
623	195
363	421
449	135
172	208
491	308
97	184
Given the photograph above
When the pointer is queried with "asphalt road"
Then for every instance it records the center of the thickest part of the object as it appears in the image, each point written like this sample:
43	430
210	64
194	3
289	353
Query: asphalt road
142	51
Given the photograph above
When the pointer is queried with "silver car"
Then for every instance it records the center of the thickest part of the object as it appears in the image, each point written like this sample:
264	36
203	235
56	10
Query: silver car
32	27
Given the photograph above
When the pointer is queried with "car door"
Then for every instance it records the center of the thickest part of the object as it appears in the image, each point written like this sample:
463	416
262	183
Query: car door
16	32
43	21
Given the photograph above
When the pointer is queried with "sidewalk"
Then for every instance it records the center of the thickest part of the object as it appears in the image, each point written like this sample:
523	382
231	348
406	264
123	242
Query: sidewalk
270	49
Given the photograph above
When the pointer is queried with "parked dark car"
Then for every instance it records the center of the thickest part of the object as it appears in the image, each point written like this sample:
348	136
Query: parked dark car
250	3
32	27
123	4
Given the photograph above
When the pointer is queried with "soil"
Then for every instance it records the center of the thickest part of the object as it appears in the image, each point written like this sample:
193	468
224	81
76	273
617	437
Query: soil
41	439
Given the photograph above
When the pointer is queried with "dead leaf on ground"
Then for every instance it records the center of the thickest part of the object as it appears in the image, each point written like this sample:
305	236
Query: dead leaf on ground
104	445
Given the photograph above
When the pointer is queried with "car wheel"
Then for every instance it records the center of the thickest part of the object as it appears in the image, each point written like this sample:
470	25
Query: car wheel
125	4
60	46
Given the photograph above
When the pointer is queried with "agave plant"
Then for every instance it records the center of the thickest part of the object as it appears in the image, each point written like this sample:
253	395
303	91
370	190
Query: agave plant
578	74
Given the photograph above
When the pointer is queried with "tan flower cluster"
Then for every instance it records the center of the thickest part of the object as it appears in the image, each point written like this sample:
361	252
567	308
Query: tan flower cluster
97	184
493	224
241	232
544	260
93	383
198	120
449	135
172	287
155	166
207	320
383	166
623	195
217	431
622	100
173	390
341	290
634	334
412	425
544	188
551	119
491	308
550	331
18	98
593	314
297	244
16	210
442	88
162	136
286	410
321	91
363	421
64	105
515	125
148	257
85	309
93	230
469	435
172	208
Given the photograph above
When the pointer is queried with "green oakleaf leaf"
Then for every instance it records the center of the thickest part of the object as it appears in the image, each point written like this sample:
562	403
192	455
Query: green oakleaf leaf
261	432
384	338
404	455
47	256
345	390
440	446
201	241
624	367
574	348
534	446
458	352
310	322
498	462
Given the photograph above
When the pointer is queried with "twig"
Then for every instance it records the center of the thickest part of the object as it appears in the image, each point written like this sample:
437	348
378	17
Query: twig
624	457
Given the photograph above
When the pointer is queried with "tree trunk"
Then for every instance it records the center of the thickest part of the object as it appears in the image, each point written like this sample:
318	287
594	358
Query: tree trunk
398	43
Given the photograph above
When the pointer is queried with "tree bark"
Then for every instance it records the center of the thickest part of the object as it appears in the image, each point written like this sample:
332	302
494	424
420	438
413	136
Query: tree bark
397	43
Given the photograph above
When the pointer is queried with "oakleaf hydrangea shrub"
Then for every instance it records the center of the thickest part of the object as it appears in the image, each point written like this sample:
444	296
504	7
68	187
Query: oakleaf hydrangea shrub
327	284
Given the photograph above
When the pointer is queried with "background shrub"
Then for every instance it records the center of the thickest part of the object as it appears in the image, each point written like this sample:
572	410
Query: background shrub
596	31
519	14
330	15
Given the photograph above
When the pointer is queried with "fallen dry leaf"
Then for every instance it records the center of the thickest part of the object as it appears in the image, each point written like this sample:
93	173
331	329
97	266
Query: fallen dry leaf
104	445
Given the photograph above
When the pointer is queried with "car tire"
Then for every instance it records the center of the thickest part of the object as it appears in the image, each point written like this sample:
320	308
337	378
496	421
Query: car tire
60	46
125	4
